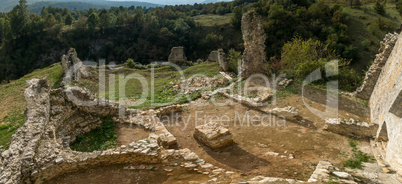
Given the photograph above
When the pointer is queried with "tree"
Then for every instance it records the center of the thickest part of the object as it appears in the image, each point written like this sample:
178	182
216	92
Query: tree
19	17
236	17
93	21
105	20
399	7
69	19
50	20
379	8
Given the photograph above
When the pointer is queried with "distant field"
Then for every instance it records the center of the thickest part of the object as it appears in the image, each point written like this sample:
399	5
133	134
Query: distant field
213	20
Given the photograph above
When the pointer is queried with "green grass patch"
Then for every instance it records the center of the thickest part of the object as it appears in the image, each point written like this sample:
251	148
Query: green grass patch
101	138
285	92
358	156
213	20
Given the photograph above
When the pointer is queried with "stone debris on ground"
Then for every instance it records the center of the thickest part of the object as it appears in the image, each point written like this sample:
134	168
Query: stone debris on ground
289	112
195	84
213	135
284	82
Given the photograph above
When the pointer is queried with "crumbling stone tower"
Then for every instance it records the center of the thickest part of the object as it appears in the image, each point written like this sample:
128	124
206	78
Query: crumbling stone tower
254	57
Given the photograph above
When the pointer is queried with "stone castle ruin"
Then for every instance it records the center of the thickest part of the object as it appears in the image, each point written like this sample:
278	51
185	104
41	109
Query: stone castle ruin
177	56
254	57
40	149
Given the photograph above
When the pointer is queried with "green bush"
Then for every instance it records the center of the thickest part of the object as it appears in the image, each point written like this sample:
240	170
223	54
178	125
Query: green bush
234	57
301	57
379	8
130	63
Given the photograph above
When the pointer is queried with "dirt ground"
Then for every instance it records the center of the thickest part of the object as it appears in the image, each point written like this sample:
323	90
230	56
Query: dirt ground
120	174
129	133
255	140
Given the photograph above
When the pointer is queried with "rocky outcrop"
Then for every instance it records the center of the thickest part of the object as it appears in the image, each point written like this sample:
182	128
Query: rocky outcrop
254	57
220	57
351	127
18	160
177	56
73	69
213	135
387	45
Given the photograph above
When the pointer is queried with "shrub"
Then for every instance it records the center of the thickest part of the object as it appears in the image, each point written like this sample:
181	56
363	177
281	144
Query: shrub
101	138
379	8
130	63
234	57
301	57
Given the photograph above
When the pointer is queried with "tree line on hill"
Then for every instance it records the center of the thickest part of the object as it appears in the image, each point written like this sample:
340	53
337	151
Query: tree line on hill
30	41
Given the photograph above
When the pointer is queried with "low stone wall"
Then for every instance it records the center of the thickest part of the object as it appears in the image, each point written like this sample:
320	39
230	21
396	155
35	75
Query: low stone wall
351	128
19	158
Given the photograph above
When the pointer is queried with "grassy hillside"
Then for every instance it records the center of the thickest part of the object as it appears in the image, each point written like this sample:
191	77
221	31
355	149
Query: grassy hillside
213	20
13	103
367	29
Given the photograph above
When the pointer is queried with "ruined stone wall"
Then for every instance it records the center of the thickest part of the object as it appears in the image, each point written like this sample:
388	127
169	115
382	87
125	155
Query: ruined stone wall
18	159
383	98
254	57
374	72
177	55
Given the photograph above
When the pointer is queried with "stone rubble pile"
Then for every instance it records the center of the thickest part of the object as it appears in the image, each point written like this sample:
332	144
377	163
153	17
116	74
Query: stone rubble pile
288	112
325	171
213	135
195	84
285	82
351	127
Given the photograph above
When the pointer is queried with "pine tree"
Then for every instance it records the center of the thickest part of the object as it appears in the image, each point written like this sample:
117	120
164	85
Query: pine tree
69	19
19	17
379	8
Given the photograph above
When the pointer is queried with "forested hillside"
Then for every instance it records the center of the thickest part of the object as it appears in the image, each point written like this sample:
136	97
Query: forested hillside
351	31
34	5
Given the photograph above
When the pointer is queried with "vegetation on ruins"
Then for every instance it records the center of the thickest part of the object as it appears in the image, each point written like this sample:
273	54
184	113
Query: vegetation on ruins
101	138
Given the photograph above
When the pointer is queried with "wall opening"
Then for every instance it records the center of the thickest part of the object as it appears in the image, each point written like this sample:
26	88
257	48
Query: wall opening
383	133
396	108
